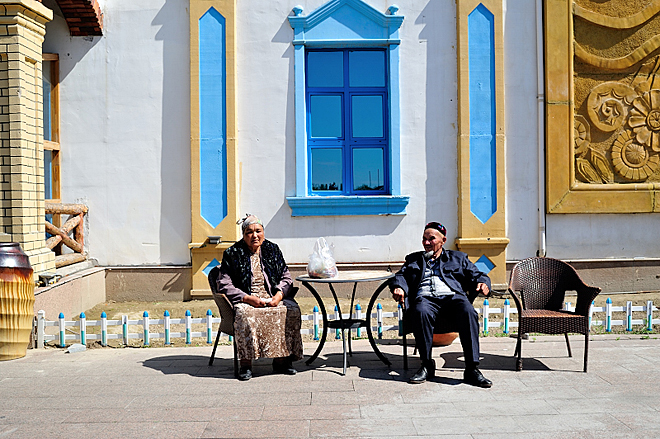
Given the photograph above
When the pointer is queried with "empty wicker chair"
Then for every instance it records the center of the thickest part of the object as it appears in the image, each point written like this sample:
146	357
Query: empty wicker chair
226	316
538	286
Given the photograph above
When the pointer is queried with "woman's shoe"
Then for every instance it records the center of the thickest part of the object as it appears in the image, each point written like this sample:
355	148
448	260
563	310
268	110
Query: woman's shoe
284	366
245	372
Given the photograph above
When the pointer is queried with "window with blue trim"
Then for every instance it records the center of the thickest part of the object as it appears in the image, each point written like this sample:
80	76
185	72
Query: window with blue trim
347	121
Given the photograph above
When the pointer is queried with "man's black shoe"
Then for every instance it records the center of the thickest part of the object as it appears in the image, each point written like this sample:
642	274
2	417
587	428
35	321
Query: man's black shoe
426	372
245	373
284	367
474	377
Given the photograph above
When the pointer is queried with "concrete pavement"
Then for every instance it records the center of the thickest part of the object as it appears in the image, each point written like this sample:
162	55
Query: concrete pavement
172	392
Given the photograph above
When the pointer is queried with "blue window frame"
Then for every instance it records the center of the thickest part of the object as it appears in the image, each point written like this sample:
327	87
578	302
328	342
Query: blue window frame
347	121
347	115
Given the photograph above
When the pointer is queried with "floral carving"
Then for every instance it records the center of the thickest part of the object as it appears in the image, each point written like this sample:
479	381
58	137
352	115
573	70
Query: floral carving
633	118
586	172
608	103
631	160
581	135
645	119
600	163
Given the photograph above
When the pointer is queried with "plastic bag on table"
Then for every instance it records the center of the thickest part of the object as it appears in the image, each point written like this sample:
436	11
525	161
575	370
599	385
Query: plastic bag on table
322	264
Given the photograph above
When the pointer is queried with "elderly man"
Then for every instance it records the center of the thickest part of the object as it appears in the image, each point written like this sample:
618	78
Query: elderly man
435	284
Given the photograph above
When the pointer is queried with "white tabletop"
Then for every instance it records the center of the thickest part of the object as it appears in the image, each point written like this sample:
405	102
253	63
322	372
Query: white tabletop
350	276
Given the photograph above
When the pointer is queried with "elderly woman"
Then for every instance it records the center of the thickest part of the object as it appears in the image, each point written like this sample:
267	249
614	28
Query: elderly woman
256	279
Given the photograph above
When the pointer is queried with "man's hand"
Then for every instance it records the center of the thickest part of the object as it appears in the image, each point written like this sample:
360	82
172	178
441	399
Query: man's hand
483	289
398	295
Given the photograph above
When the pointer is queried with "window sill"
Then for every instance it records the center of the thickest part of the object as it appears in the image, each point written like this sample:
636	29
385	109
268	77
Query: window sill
348	205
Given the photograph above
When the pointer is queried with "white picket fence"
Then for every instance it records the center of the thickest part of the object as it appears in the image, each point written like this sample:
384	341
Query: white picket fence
486	322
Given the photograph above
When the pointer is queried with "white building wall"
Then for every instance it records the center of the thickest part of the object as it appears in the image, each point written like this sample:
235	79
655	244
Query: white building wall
126	128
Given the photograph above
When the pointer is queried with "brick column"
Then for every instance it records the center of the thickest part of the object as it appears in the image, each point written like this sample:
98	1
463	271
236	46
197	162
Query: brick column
22	214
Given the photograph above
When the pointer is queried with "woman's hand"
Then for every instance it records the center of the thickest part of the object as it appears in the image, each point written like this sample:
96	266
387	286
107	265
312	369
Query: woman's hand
255	301
276	299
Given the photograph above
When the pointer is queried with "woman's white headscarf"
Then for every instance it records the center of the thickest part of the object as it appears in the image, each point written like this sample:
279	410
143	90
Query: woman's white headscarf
248	220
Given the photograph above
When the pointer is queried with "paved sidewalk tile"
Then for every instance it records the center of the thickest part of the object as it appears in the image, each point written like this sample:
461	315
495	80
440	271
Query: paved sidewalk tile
172	392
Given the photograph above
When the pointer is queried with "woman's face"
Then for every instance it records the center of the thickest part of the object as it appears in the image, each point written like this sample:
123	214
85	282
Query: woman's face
254	236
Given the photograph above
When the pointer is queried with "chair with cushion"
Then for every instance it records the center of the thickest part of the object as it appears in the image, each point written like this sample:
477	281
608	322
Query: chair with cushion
538	286
226	316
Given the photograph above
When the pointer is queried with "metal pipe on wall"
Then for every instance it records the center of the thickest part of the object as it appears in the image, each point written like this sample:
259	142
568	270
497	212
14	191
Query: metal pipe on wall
540	102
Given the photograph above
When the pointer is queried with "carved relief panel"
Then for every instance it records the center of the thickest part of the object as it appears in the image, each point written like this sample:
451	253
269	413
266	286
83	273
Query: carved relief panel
610	64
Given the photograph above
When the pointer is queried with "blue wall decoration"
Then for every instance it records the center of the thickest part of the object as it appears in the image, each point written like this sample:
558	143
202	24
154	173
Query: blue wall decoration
212	117
483	171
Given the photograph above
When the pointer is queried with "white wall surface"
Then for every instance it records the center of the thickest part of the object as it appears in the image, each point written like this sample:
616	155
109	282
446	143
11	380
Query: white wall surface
428	139
125	130
126	127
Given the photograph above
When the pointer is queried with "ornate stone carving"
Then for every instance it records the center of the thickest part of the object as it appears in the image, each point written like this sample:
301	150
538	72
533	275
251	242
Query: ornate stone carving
631	160
645	119
581	135
633	153
608	103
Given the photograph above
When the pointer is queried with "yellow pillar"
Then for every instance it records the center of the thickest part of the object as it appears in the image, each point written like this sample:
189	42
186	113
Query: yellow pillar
482	235
22	30
214	185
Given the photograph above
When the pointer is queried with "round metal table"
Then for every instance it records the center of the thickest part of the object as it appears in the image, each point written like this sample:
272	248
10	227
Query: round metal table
356	277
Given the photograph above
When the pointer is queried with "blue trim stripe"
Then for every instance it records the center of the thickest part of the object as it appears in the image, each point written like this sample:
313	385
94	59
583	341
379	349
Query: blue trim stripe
212	118
483	166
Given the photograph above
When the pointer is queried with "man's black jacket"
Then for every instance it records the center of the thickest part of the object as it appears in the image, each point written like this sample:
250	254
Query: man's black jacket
456	270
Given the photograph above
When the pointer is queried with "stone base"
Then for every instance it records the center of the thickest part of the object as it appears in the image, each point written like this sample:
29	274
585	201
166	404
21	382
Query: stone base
72	295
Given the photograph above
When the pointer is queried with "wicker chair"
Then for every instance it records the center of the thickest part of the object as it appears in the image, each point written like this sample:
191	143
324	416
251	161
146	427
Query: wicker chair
538	286
226	316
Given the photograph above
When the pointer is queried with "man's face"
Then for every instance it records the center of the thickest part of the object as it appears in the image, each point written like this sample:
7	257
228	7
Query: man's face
433	240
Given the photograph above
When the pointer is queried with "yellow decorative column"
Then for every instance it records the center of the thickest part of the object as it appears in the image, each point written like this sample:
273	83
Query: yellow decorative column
481	217
22	30
213	160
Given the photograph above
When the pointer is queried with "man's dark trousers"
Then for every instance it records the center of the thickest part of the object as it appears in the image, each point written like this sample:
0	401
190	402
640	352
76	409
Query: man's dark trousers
455	312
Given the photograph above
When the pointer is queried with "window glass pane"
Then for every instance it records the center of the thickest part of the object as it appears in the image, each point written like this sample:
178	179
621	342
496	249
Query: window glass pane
368	169
48	174
46	100
325	114
366	69
325	69
326	169
367	116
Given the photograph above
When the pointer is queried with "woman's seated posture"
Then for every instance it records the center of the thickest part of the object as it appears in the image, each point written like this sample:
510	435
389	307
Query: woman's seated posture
256	279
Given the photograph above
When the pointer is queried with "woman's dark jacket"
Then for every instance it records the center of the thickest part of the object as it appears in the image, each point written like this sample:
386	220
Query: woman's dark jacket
236	271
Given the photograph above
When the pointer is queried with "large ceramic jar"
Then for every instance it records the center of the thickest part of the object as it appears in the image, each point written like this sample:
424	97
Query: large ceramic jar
16	301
